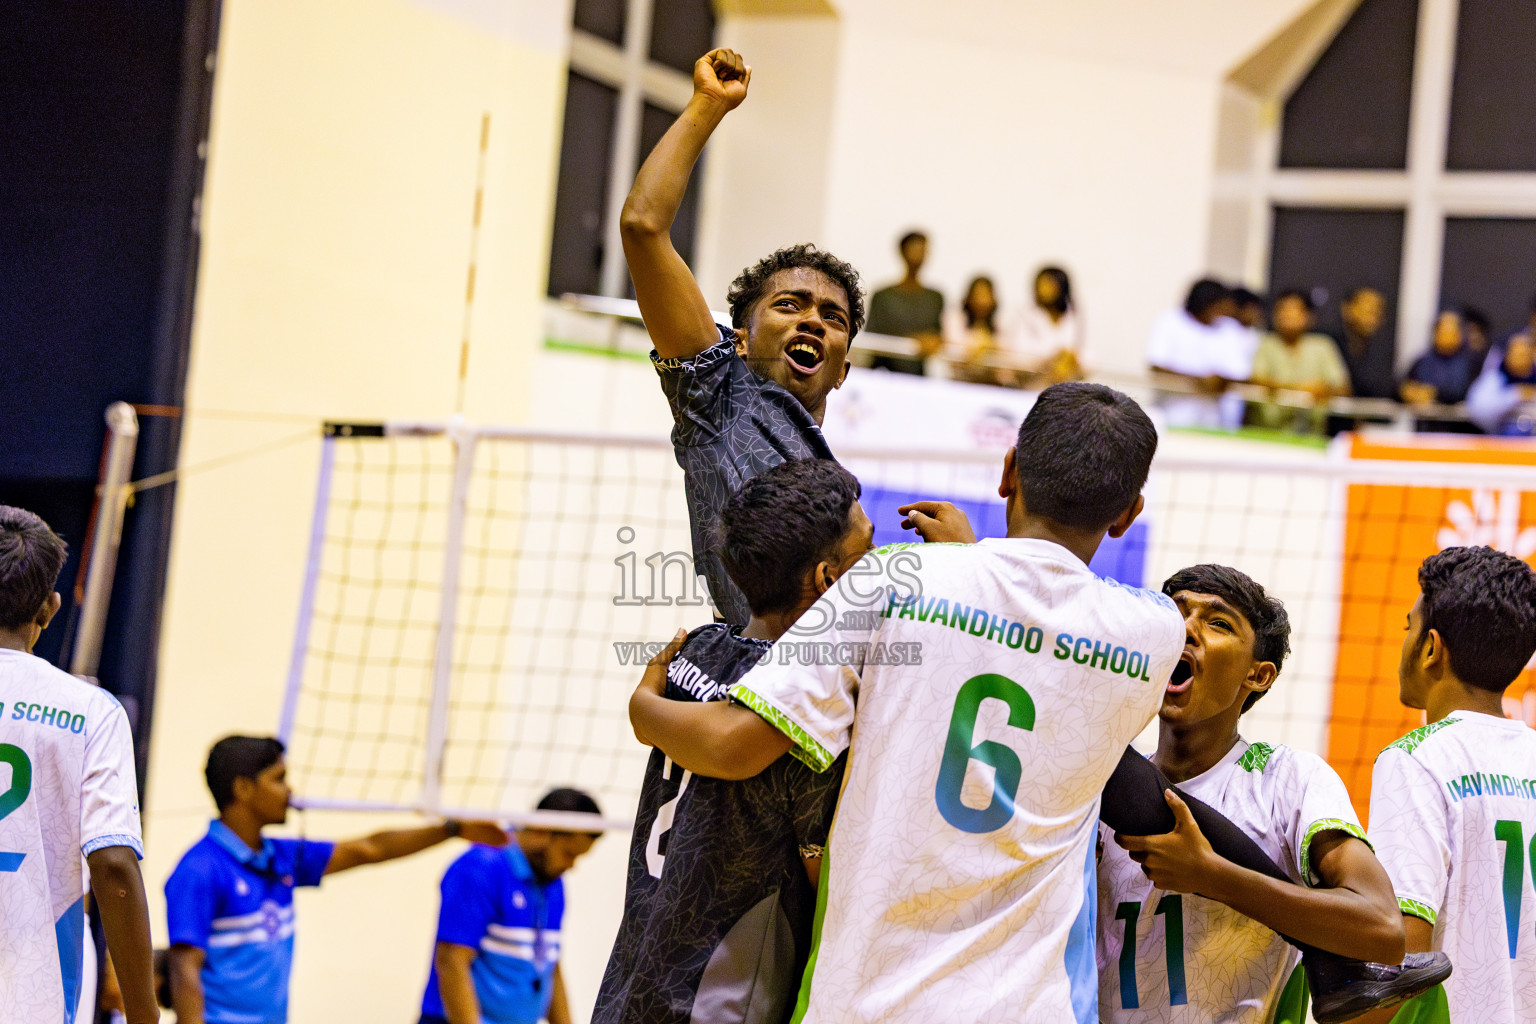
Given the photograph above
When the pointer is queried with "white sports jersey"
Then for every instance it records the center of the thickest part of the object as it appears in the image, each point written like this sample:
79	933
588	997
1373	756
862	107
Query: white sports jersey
1453	819
67	788
996	686
1194	960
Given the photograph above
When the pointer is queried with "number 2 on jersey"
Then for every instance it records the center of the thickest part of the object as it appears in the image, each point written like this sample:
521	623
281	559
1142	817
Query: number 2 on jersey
1172	907
1512	835
15	796
959	752
655	844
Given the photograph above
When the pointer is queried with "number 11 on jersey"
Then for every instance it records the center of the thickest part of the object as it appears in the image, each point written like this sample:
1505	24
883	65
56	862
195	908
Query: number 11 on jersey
1171	907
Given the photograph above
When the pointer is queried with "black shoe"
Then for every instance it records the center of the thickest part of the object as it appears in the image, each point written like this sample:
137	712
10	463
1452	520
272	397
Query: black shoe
1343	989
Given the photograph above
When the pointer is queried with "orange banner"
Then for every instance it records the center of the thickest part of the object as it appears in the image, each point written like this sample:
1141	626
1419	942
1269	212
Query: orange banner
1389	530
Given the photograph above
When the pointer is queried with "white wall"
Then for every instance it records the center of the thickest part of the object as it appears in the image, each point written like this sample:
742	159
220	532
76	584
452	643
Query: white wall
1016	133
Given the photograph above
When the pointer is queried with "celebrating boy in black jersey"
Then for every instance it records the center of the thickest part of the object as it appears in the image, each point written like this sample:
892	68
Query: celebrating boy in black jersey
721	890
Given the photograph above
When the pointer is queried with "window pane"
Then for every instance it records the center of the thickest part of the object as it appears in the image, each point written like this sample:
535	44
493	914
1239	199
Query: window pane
682	31
654	122
1487	264
1351	110
1333	252
581	197
1495	88
603	18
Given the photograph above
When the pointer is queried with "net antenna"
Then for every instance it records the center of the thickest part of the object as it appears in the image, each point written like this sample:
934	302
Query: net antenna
474	257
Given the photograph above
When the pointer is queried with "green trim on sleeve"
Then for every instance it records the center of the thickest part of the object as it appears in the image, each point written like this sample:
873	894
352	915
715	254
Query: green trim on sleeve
1409	743
1413	908
806	749
1326	825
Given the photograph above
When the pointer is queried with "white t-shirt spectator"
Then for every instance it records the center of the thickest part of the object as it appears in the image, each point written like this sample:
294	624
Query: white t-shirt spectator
1033	334
1225	349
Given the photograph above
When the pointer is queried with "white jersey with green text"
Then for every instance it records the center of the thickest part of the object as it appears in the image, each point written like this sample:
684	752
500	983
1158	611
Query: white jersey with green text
987	692
1194	961
66	788
1453	819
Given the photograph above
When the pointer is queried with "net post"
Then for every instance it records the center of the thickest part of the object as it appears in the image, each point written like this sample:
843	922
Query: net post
442	655
117	467
311	583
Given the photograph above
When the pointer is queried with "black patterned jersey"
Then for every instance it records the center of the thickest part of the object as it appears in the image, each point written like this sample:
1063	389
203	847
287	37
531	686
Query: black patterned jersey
718	909
729	425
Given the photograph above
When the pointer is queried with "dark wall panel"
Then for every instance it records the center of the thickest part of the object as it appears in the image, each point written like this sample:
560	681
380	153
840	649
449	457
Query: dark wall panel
1490	263
1333	251
88	98
581	197
603	18
102	109
654	122
1351	110
1495	88
681	32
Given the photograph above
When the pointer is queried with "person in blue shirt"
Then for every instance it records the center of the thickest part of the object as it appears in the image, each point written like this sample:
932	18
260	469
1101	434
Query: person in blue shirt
1445	371
497	959
230	899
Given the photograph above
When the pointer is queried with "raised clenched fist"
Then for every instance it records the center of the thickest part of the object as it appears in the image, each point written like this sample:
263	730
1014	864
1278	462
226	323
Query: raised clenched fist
722	76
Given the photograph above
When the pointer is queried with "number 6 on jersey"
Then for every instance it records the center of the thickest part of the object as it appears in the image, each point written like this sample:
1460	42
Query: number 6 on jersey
959	752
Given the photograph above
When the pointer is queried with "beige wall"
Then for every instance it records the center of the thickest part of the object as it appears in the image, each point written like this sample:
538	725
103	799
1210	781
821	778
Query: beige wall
332	282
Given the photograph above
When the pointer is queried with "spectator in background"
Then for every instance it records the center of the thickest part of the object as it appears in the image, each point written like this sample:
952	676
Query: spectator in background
1528	333
1049	330
1369	354
1477	333
972	333
908	309
1204	350
1445	372
497	958
1495	398
1293	358
1250	308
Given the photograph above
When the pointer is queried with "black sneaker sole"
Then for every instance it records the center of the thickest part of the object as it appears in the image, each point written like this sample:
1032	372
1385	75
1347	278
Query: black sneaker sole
1378	995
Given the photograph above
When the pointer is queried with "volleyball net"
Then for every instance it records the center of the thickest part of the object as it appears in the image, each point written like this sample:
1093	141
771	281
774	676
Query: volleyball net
480	602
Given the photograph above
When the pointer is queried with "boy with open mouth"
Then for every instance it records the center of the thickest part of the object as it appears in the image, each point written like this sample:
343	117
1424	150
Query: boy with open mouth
1168	955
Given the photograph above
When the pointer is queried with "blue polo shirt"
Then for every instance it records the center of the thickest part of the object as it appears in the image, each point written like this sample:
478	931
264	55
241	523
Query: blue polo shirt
493	903
236	905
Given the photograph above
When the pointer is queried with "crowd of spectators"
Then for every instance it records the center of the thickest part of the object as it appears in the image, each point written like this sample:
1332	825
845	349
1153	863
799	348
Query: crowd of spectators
1462	381
1223	336
1041	344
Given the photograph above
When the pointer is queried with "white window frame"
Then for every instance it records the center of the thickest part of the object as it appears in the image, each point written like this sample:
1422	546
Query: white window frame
638	80
1426	192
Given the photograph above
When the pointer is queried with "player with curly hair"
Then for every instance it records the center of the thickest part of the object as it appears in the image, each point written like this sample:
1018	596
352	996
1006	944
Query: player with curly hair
747	397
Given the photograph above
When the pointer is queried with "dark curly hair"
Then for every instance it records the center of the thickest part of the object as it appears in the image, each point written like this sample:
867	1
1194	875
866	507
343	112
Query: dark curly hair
1266	615
1483	604
774	530
750	283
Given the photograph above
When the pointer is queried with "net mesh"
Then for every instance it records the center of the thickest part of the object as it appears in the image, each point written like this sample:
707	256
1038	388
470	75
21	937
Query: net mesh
575	554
